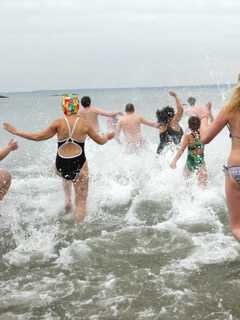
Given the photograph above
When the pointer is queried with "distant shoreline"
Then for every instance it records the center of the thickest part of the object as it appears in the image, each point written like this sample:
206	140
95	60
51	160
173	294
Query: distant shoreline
3	97
56	92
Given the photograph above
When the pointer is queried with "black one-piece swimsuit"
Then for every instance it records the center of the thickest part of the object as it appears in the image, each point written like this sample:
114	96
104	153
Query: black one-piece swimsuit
169	136
70	167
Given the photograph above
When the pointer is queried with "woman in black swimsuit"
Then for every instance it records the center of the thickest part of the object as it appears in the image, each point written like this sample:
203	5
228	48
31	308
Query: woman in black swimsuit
71	163
170	130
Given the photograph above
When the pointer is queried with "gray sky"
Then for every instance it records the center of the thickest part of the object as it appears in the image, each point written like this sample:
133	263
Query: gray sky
54	44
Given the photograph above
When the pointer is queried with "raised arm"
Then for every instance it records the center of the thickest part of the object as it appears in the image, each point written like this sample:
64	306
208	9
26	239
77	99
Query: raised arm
216	126
45	134
180	151
101	112
99	139
179	107
209	107
11	146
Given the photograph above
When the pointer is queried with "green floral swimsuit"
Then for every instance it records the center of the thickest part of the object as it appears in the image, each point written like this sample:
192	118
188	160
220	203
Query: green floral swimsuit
195	160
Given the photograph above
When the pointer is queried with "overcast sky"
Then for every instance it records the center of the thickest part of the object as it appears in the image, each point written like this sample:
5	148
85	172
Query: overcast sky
56	44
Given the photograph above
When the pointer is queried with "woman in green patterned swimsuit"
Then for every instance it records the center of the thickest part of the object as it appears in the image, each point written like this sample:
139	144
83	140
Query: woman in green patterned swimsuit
195	159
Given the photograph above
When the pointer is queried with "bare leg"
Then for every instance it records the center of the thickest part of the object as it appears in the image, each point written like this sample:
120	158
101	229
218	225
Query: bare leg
232	190
202	176
5	182
67	187
81	192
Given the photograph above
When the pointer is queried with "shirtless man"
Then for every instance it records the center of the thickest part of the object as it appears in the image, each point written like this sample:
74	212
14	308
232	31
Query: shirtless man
130	124
5	176
91	113
204	112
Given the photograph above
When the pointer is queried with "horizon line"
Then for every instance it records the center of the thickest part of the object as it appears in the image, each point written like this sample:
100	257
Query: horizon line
124	88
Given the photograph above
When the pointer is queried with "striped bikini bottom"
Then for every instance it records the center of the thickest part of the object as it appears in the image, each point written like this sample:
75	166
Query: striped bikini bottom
233	171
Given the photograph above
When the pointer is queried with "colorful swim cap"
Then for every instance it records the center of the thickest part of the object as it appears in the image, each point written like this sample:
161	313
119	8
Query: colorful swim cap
70	104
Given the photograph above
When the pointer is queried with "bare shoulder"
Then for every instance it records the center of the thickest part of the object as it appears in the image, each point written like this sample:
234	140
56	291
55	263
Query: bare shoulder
96	110
83	121
57	122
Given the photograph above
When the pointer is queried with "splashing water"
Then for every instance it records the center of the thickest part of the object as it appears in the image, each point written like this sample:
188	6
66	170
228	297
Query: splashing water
152	246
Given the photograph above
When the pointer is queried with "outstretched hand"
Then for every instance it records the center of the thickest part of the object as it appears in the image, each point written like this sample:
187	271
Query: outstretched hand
12	145
172	94
8	127
209	106
111	135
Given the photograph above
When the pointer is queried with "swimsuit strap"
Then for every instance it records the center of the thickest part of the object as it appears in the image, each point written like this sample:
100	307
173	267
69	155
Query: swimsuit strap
230	135
69	128
196	135
197	142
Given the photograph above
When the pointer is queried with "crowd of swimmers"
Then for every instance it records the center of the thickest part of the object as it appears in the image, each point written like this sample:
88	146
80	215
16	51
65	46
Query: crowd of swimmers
79	122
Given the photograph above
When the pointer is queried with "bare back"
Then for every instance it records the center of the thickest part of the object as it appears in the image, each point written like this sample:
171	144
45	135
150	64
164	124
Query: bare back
71	127
130	124
90	114
80	131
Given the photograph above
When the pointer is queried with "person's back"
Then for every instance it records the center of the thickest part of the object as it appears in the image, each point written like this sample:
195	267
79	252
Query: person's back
130	124
170	130
203	112
79	131
71	163
131	127
195	158
91	113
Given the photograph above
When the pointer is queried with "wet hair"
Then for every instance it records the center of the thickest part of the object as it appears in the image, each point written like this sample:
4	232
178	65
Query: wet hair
162	116
165	115
86	102
191	101
194	123
170	111
129	107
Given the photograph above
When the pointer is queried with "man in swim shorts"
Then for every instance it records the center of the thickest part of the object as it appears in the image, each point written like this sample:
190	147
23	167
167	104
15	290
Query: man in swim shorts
5	176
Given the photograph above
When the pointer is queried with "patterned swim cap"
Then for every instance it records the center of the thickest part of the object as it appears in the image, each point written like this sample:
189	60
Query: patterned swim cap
70	104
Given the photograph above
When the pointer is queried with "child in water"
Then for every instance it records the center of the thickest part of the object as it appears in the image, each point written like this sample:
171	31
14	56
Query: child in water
195	159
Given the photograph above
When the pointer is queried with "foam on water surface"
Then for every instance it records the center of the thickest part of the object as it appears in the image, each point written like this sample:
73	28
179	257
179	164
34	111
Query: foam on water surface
152	245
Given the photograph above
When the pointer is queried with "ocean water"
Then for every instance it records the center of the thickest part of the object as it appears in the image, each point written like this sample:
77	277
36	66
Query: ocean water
151	247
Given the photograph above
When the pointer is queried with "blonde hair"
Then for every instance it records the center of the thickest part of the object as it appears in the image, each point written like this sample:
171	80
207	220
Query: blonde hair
233	105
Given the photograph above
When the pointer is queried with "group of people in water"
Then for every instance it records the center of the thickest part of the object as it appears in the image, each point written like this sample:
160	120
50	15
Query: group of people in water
79	122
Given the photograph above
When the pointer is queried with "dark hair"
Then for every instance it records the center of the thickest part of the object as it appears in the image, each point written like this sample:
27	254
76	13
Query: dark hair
86	102
170	111
191	101
129	107
194	123
165	115
162	116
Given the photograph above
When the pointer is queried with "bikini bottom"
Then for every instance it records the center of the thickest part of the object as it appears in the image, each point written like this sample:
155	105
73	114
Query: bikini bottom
233	171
